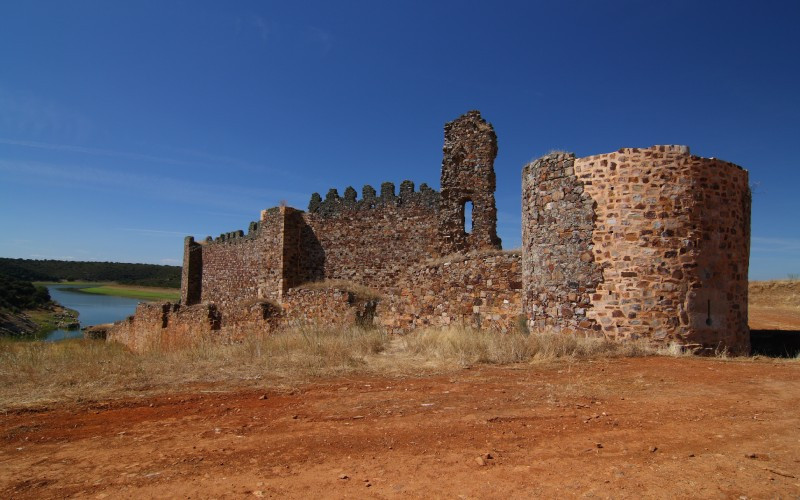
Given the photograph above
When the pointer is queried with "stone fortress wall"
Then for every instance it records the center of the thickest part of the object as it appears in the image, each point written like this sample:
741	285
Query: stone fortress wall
641	243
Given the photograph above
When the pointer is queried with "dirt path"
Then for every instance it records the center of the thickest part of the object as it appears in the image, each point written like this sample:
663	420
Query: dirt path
663	427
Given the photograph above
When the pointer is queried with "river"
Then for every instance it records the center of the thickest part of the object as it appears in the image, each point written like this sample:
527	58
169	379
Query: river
93	309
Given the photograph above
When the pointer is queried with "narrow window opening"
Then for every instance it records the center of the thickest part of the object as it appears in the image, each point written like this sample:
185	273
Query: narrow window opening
708	317
468	216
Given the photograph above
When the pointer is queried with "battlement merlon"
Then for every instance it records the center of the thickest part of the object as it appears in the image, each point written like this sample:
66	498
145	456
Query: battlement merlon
334	204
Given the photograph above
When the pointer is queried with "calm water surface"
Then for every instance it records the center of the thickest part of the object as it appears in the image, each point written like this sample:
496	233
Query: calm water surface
94	309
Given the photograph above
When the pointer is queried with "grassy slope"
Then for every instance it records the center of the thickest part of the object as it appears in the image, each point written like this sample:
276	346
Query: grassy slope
131	291
134	292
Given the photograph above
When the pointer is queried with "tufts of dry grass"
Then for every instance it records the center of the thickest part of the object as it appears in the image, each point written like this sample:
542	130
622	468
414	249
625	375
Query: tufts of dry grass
41	372
466	346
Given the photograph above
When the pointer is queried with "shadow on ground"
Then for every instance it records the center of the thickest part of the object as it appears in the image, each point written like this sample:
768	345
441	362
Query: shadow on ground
775	343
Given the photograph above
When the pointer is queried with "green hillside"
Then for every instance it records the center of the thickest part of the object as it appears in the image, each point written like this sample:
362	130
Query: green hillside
119	272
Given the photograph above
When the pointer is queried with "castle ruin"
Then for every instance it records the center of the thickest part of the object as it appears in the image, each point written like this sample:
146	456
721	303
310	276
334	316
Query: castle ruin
641	243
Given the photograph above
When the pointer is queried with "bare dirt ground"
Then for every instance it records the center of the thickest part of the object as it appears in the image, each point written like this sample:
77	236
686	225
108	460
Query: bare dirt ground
774	305
663	427
625	428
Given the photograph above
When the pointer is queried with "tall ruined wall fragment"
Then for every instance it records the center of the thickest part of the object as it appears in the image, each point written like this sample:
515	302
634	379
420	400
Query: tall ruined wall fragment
670	235
192	271
470	147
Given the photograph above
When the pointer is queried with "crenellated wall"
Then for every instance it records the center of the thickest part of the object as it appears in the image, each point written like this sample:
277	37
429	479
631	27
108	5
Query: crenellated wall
370	241
238	267
373	241
640	243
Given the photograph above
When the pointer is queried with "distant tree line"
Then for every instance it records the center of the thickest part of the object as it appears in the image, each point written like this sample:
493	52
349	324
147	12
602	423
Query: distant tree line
17	294
65	270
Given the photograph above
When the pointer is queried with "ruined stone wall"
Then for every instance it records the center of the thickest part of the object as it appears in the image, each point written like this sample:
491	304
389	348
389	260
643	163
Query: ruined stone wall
240	267
372	241
559	271
237	266
332	307
482	290
470	147
164	325
168	326
670	235
191	272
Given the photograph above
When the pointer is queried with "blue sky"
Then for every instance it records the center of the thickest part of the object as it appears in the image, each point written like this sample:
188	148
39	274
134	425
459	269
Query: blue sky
125	126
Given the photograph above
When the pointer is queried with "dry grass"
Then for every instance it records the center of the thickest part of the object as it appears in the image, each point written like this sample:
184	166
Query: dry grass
466	346
776	294
40	372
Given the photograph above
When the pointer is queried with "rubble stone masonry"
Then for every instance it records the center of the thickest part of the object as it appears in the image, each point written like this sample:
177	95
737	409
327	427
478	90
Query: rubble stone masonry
639	243
470	147
169	326
479	289
669	233
559	271
373	241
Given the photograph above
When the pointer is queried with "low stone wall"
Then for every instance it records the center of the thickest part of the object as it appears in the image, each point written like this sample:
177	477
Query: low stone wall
168	326
482	290
327	306
165	325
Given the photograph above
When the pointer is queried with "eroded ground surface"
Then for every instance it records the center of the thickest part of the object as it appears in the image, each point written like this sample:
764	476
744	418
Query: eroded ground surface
658	426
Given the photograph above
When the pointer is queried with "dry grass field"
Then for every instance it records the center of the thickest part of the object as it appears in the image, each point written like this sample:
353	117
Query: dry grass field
450	413
774	305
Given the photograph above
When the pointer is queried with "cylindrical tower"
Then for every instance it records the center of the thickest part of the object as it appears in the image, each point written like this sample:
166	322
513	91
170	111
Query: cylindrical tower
640	243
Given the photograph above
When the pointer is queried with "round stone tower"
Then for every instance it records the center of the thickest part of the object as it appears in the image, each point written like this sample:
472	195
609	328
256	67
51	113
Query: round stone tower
640	243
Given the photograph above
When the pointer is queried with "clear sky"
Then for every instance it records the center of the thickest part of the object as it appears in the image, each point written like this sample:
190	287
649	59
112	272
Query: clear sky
125	126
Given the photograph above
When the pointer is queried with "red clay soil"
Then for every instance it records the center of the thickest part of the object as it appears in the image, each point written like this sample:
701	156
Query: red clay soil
623	428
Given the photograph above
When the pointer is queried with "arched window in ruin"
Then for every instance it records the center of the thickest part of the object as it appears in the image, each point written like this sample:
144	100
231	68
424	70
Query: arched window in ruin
467	216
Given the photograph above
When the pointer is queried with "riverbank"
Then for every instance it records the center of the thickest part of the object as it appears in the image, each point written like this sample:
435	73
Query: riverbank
134	292
37	322
130	291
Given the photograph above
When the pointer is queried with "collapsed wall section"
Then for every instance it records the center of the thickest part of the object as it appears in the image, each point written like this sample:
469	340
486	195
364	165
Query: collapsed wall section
168	326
